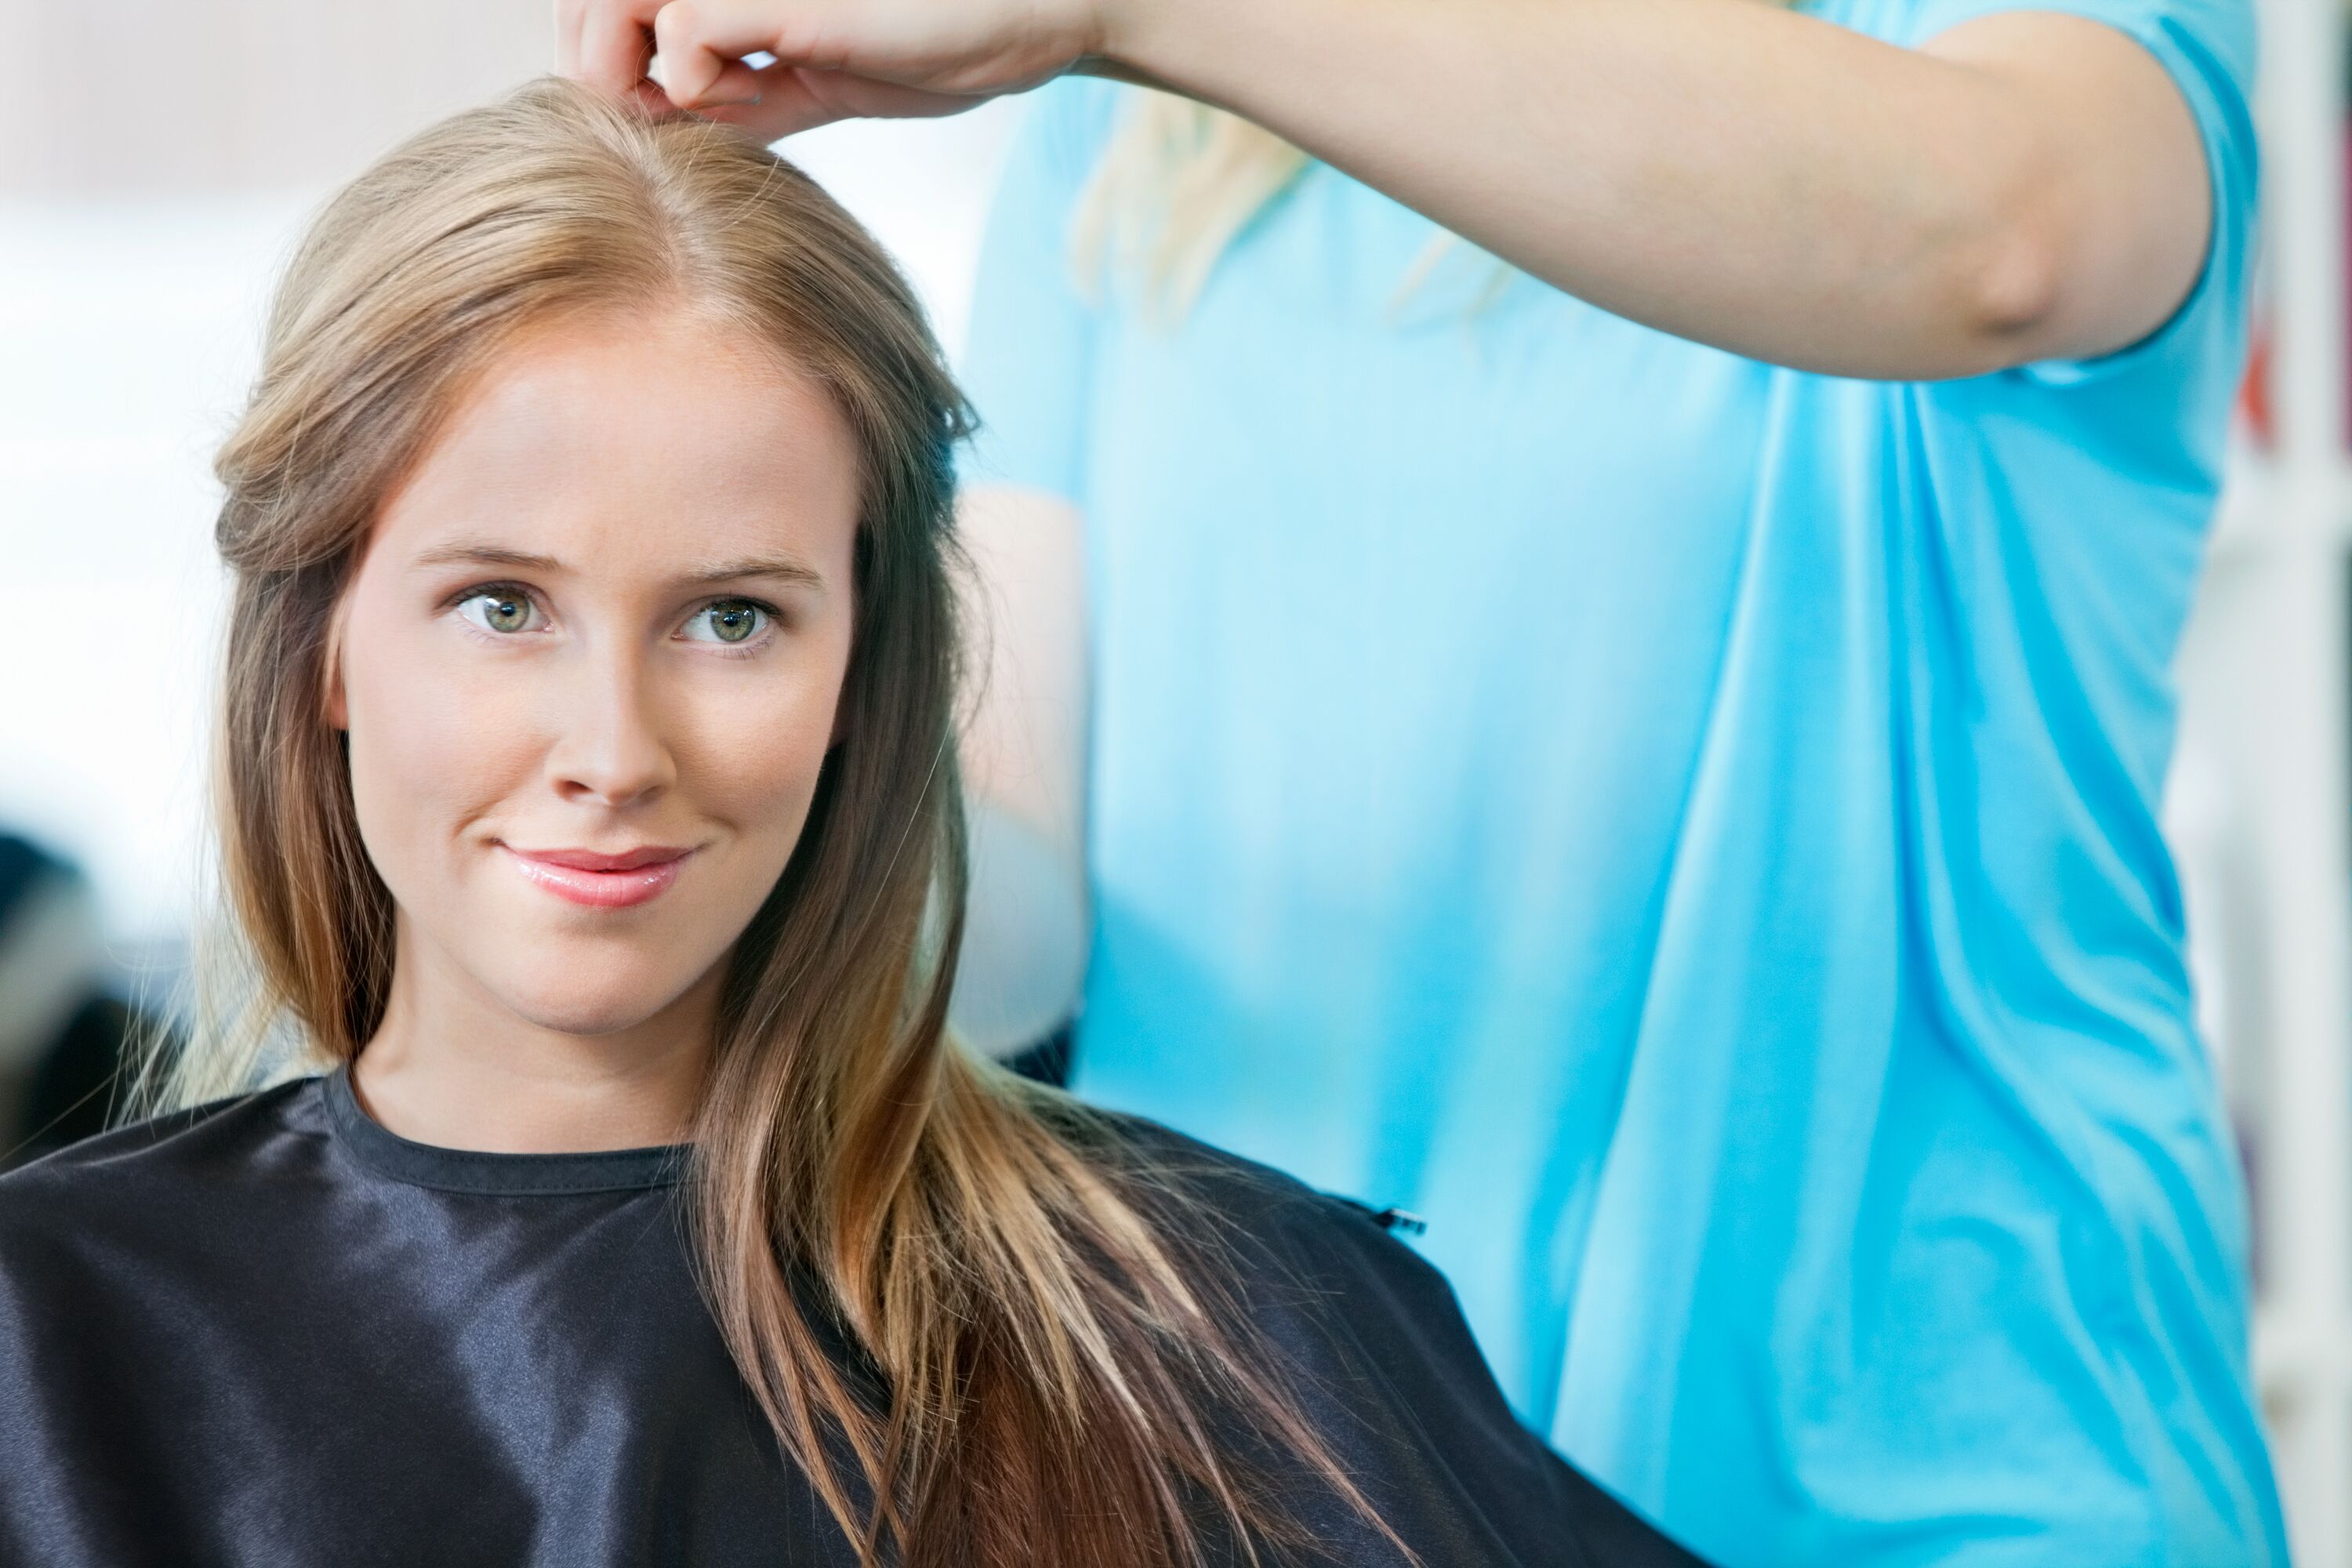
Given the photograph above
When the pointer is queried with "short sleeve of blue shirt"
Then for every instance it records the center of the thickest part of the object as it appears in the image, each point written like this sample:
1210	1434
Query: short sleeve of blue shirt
2207	49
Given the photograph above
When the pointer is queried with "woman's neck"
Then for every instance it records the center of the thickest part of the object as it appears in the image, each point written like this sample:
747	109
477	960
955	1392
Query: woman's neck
451	1067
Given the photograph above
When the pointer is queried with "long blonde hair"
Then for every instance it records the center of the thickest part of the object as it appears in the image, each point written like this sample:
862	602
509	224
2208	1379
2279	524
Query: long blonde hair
1057	1362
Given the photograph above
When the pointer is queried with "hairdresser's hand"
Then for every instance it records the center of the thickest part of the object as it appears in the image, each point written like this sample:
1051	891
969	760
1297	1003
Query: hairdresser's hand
834	58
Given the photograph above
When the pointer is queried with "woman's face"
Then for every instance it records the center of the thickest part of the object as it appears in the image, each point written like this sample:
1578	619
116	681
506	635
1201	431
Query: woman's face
590	663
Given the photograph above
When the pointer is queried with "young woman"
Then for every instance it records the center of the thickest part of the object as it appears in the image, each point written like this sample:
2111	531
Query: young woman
590	813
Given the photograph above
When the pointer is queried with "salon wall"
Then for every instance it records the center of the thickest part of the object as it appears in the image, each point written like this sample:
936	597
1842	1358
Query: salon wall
169	98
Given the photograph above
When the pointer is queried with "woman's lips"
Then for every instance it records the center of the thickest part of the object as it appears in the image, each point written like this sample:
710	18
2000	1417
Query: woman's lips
601	881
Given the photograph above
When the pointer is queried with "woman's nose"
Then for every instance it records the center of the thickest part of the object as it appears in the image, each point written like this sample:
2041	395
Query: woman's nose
610	750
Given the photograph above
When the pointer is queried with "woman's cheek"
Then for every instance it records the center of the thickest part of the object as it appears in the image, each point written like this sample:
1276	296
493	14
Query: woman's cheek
760	759
437	743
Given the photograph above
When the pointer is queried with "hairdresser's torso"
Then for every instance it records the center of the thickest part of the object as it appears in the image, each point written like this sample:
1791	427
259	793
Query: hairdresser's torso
1686	827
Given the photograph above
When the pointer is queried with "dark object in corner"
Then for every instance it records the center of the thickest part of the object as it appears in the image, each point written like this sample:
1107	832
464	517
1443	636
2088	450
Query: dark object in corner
1049	1060
78	1085
64	1040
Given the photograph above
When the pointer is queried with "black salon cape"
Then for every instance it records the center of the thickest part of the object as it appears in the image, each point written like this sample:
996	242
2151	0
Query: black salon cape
270	1331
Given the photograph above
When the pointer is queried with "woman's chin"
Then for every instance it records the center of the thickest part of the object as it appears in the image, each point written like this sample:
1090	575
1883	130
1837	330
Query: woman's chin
593	998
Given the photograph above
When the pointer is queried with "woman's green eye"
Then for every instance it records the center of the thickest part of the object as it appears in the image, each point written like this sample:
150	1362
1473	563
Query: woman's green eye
727	621
499	610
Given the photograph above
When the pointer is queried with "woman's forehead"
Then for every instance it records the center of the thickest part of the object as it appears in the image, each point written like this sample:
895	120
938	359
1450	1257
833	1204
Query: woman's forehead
634	443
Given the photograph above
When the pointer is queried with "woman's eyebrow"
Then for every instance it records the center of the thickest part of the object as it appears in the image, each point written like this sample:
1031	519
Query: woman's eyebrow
467	552
472	553
789	568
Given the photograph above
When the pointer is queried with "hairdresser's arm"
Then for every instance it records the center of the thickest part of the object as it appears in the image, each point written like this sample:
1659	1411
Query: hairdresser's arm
2028	185
1024	754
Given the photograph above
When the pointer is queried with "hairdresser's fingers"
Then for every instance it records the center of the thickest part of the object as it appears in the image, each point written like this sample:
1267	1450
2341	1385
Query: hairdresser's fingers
846	95
794	99
653	100
607	46
698	39
615	43
610	44
969	47
736	83
784	108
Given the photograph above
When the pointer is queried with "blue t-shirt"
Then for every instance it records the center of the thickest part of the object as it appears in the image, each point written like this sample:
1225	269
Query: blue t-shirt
1685	828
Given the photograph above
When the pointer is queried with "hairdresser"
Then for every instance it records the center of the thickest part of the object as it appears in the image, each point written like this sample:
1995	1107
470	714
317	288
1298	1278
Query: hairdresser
1618	561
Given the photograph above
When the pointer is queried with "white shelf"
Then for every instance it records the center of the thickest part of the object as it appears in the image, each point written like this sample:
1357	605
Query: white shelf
2245	525
2292	1359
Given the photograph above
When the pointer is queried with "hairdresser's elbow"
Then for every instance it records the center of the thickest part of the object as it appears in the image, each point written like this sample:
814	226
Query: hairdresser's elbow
1983	291
2007	262
2013	289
